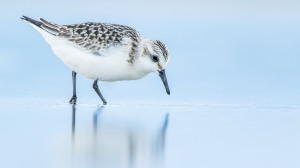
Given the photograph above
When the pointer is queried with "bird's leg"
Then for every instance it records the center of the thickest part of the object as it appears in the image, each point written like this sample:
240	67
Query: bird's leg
74	97
96	88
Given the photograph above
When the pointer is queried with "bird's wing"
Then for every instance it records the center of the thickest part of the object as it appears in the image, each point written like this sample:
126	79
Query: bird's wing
93	36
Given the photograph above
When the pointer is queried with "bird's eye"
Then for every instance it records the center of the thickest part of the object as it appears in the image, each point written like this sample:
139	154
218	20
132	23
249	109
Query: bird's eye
155	58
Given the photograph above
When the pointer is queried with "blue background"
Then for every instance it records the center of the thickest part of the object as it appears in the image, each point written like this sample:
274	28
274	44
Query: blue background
220	50
233	76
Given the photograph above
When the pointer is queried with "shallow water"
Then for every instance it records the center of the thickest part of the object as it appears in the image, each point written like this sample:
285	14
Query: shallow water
53	134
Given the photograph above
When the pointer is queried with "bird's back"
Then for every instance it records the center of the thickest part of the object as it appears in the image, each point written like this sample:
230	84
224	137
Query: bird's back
95	50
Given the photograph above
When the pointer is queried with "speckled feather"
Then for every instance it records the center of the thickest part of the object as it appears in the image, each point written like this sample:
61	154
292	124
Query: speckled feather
94	37
102	51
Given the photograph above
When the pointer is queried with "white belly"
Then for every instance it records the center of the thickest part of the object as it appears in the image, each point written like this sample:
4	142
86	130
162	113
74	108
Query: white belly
110	66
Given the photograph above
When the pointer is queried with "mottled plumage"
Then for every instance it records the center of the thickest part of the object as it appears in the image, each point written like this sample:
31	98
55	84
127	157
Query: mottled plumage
104	51
95	37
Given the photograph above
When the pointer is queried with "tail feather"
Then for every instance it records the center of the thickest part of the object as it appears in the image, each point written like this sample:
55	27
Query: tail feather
35	22
49	24
50	30
43	24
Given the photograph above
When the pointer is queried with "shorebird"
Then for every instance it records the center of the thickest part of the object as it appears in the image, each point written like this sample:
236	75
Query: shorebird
104	52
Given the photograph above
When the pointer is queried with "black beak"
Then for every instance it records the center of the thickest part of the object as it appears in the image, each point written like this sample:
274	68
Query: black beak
163	77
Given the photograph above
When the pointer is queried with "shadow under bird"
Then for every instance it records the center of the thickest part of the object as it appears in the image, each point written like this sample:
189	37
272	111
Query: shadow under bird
104	52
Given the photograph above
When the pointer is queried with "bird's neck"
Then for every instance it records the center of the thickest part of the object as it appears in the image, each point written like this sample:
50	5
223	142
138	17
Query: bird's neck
141	64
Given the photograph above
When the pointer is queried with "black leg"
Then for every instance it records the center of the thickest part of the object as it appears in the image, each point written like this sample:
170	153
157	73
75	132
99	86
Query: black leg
96	88
74	97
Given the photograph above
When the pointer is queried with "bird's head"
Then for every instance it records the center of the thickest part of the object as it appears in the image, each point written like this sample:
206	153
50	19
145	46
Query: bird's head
156	56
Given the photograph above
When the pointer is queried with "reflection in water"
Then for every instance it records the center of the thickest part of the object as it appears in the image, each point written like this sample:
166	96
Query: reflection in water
120	139
73	121
95	118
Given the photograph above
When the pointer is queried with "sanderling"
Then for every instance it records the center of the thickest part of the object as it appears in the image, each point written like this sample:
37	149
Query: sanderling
104	52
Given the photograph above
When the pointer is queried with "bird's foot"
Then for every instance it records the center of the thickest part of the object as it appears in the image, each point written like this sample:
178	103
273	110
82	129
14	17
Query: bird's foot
105	103
73	100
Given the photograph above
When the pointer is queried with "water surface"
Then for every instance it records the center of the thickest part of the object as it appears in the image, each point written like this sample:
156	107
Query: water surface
55	134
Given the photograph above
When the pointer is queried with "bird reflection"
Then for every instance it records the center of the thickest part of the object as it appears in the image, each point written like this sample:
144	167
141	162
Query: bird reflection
73	121
123	141
95	118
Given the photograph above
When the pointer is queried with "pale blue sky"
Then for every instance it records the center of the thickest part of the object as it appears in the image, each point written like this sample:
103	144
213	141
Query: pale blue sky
220	50
237	60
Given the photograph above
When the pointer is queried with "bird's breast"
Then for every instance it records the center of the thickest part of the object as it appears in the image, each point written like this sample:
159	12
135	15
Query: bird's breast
111	65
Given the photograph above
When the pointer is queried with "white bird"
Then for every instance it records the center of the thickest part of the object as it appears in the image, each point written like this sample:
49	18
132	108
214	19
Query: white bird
104	52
